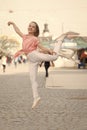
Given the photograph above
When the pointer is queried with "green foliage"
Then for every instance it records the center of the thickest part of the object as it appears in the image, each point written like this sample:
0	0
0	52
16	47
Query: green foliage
8	45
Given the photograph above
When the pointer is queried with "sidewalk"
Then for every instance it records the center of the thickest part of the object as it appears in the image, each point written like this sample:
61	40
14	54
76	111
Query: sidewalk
67	79
59	109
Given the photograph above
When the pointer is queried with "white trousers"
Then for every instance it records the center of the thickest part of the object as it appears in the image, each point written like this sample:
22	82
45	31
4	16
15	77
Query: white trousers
34	58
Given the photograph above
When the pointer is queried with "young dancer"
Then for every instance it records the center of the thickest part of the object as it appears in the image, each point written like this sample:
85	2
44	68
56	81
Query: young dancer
30	47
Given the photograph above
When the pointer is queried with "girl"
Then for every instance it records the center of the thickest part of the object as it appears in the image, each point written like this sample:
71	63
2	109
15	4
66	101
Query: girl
30	47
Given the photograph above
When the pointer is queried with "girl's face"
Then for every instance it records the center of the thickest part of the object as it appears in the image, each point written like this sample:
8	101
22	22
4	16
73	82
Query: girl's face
32	28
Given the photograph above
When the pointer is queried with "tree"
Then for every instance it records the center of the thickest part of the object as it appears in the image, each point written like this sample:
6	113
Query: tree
8	46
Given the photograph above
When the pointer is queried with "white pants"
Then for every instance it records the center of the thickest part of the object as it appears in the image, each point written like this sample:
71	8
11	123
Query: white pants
34	58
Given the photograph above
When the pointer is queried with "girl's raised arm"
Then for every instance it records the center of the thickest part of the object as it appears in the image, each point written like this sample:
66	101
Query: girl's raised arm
17	30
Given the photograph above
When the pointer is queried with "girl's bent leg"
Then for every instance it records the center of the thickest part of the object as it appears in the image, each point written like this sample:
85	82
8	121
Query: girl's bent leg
58	44
36	56
57	47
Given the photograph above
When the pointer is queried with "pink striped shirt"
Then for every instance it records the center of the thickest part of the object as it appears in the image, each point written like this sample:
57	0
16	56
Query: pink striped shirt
29	44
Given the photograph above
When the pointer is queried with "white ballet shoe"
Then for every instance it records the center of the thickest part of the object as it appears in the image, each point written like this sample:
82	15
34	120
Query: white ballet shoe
36	101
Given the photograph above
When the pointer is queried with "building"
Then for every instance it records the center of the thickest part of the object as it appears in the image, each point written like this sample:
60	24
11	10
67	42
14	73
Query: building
46	36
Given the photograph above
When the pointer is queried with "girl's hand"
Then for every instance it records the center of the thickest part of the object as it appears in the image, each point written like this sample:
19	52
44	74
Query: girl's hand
52	52
9	23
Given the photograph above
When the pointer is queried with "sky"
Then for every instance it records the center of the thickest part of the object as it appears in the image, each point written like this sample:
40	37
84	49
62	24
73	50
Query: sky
60	15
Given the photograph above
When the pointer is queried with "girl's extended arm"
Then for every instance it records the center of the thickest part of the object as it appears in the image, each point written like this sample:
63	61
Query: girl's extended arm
45	50
17	30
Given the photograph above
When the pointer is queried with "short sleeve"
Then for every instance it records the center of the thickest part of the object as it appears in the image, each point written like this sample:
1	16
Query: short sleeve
36	41
24	37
